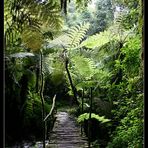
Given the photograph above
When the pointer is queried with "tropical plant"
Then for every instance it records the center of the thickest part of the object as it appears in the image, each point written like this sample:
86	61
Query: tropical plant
28	21
85	116
69	42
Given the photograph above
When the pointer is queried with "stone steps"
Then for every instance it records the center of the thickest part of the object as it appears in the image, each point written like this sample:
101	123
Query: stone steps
67	146
66	134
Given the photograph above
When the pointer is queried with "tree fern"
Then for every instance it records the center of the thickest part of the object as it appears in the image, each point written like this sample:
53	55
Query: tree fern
115	32
22	16
121	34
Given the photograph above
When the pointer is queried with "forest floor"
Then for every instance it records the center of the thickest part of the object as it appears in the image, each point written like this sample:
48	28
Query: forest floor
66	133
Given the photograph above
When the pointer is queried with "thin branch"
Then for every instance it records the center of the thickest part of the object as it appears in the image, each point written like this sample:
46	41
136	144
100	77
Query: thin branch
52	108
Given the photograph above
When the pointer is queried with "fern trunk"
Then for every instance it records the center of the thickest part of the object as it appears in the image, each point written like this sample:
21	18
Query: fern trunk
71	83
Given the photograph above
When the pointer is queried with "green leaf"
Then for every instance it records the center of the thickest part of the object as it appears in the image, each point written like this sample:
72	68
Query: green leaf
84	66
96	40
71	39
22	55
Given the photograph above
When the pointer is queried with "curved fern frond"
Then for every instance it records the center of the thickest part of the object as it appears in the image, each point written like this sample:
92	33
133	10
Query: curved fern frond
97	40
77	33
120	20
102	76
7	16
113	33
85	84
71	39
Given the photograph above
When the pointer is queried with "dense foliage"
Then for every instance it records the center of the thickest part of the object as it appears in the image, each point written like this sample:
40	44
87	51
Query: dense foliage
97	46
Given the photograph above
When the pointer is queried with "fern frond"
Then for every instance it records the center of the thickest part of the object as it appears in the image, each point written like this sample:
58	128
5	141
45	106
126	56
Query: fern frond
19	15
84	66
71	39
58	75
96	40
85	116
59	41
85	84
120	33
7	16
47	65
32	39
51	16
77	33
102	76
121	20
113	33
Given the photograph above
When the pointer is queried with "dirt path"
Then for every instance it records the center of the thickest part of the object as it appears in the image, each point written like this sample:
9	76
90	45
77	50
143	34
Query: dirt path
66	134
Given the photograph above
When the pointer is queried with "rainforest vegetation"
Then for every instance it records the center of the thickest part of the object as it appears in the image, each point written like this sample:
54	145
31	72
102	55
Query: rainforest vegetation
77	55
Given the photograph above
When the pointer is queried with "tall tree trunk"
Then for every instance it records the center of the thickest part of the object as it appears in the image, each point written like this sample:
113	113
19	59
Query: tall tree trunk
71	83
